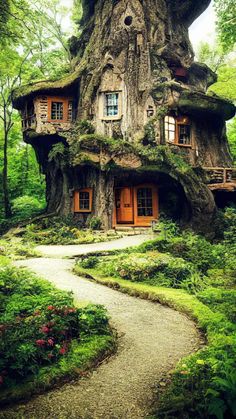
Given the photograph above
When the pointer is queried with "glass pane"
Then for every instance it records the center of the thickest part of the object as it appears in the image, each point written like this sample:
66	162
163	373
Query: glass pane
111	107
84	200
144	201
184	134
57	111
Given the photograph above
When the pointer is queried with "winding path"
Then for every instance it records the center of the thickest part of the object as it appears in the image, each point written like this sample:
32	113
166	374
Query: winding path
152	339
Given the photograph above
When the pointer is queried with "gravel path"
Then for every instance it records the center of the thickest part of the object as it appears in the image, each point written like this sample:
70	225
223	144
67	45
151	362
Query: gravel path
55	251
152	339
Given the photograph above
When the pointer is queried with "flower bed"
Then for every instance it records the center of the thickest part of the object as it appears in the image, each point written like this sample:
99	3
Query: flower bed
39	329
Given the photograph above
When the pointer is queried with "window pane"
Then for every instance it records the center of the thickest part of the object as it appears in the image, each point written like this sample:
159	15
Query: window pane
70	110
184	134
57	111
84	200
144	200
111	104
170	128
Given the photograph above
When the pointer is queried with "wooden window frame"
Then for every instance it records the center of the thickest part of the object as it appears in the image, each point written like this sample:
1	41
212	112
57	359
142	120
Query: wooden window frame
180	121
65	102
77	200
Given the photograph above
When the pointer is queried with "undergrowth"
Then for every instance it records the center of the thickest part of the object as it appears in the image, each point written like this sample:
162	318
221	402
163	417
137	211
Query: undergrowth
45	338
193	275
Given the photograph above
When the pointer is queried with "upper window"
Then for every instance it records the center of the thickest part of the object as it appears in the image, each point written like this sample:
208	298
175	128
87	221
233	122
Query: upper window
178	130
170	129
60	109
111	104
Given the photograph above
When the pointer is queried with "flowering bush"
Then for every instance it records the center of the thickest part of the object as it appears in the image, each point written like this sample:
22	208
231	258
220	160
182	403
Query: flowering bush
38	324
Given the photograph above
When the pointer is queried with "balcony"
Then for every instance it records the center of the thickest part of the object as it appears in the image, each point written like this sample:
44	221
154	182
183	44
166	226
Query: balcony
29	122
221	178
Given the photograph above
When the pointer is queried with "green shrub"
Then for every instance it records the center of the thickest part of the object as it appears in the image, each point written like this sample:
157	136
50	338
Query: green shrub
26	206
151	267
89	263
94	223
38	324
220	300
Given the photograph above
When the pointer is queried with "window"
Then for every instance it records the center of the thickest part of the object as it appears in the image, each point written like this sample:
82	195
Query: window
170	129
83	200
111	104
184	134
145	204
57	111
60	109
178	130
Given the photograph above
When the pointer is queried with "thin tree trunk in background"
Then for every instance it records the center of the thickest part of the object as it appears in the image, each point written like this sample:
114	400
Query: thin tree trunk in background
7	206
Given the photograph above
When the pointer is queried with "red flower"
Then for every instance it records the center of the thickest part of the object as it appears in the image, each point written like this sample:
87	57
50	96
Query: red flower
62	351
50	308
1	380
40	342
71	310
50	342
44	329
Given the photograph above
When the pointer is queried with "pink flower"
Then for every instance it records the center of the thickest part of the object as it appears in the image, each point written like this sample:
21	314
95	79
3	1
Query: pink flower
62	351
44	329
40	342
50	342
71	310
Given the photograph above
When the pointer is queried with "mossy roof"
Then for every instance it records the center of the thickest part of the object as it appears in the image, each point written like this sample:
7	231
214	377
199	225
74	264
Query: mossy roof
23	93
195	102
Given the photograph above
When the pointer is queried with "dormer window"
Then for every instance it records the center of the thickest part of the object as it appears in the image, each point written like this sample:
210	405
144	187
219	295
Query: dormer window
111	104
178	130
60	109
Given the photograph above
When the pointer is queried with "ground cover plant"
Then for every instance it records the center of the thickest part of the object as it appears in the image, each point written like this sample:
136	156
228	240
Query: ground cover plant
44	337
195	276
64	231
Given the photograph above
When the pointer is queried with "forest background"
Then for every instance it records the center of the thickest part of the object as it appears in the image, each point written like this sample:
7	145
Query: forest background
35	45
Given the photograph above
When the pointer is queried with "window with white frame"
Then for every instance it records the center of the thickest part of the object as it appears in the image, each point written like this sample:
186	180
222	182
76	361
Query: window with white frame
111	104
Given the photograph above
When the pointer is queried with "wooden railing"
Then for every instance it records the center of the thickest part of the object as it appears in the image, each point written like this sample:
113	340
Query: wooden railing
29	122
221	177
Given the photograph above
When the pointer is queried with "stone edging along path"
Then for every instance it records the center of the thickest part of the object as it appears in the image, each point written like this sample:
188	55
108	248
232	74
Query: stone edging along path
152	339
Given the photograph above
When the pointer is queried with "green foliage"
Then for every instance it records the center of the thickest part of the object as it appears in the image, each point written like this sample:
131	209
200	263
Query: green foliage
204	384
220	300
226	20
39	325
59	153
14	249
64	230
94	223
231	131
26	206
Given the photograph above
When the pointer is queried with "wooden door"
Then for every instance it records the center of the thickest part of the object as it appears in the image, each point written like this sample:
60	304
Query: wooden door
124	206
